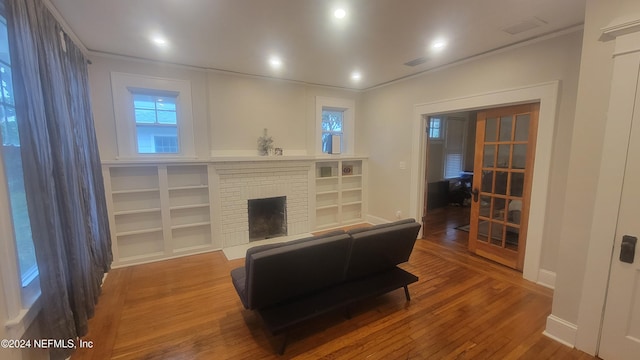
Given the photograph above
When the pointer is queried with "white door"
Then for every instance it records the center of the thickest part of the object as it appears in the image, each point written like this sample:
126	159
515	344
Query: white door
621	326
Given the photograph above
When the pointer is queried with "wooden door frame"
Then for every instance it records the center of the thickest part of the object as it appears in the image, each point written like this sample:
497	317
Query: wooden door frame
547	95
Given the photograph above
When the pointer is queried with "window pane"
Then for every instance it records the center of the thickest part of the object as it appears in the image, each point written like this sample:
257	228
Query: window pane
167	117
332	120
146	136
7	84
143	101
145	116
326	142
12	162
166	103
435	128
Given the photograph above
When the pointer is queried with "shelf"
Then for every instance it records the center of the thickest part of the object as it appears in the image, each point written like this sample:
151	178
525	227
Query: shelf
327	192
194	206
134	191
140	211
352	176
327	178
175	227
190	187
352	203
327	207
352	189
138	232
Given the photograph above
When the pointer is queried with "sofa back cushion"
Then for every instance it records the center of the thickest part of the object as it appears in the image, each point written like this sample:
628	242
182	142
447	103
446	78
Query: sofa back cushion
381	248
282	273
260	248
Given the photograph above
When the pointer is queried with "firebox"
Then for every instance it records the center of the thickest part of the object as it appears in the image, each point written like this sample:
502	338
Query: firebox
267	218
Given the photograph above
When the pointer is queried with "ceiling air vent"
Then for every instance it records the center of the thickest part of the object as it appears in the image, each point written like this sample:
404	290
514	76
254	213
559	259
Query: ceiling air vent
524	25
416	62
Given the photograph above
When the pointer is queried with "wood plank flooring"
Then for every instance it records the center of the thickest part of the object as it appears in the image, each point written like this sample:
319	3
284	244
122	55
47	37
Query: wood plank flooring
463	307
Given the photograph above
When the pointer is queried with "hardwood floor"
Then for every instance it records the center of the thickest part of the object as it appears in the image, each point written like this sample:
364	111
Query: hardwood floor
463	307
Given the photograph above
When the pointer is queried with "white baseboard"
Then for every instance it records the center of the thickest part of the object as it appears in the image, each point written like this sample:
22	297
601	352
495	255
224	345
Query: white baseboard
561	331
547	278
374	220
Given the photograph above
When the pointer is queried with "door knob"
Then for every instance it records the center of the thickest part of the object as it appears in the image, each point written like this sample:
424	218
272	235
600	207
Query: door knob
628	249
475	194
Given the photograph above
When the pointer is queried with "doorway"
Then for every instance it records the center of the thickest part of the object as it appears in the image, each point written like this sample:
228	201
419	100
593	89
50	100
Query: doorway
547	95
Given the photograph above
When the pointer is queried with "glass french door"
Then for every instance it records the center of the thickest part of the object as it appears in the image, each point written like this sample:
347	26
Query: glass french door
503	169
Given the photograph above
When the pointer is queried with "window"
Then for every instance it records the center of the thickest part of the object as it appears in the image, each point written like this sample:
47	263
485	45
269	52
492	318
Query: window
12	163
331	125
154	117
156	120
334	117
454	147
435	128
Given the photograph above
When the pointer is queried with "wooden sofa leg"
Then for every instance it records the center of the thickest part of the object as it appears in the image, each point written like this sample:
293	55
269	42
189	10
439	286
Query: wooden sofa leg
406	293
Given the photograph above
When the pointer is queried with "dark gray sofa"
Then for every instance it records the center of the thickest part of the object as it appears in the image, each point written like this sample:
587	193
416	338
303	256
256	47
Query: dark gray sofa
294	281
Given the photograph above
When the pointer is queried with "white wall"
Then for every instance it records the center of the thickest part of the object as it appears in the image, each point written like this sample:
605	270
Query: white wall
230	111
586	152
388	116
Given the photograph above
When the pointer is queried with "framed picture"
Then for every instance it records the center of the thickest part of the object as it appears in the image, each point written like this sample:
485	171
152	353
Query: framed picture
347	170
278	152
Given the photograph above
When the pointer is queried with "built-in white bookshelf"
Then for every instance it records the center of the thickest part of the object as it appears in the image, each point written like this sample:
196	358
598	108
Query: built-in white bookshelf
339	192
158	211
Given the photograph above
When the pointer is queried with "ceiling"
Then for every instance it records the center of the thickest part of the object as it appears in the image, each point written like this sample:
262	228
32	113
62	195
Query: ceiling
375	38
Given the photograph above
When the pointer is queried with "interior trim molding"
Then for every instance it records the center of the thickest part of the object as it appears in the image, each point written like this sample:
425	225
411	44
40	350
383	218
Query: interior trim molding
547	95
547	278
561	330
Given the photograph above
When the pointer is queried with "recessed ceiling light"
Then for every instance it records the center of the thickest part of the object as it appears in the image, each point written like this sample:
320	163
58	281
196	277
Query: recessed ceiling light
356	76
340	13
275	62
438	44
159	40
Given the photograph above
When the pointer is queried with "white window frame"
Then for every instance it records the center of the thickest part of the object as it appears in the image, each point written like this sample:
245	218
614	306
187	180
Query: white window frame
123	86
348	108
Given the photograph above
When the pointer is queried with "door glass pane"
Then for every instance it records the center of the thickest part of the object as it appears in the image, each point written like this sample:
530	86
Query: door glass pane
517	184
483	230
511	238
487	181
503	156
496	233
489	156
519	160
501	183
505	128
499	209
514	211
485	206
491	129
522	127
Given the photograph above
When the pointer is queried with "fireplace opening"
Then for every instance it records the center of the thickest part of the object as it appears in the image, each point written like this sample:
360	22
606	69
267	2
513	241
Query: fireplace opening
267	218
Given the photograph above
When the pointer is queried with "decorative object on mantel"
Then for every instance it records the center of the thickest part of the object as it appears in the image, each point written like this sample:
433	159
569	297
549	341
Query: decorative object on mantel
278	152
265	143
347	170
